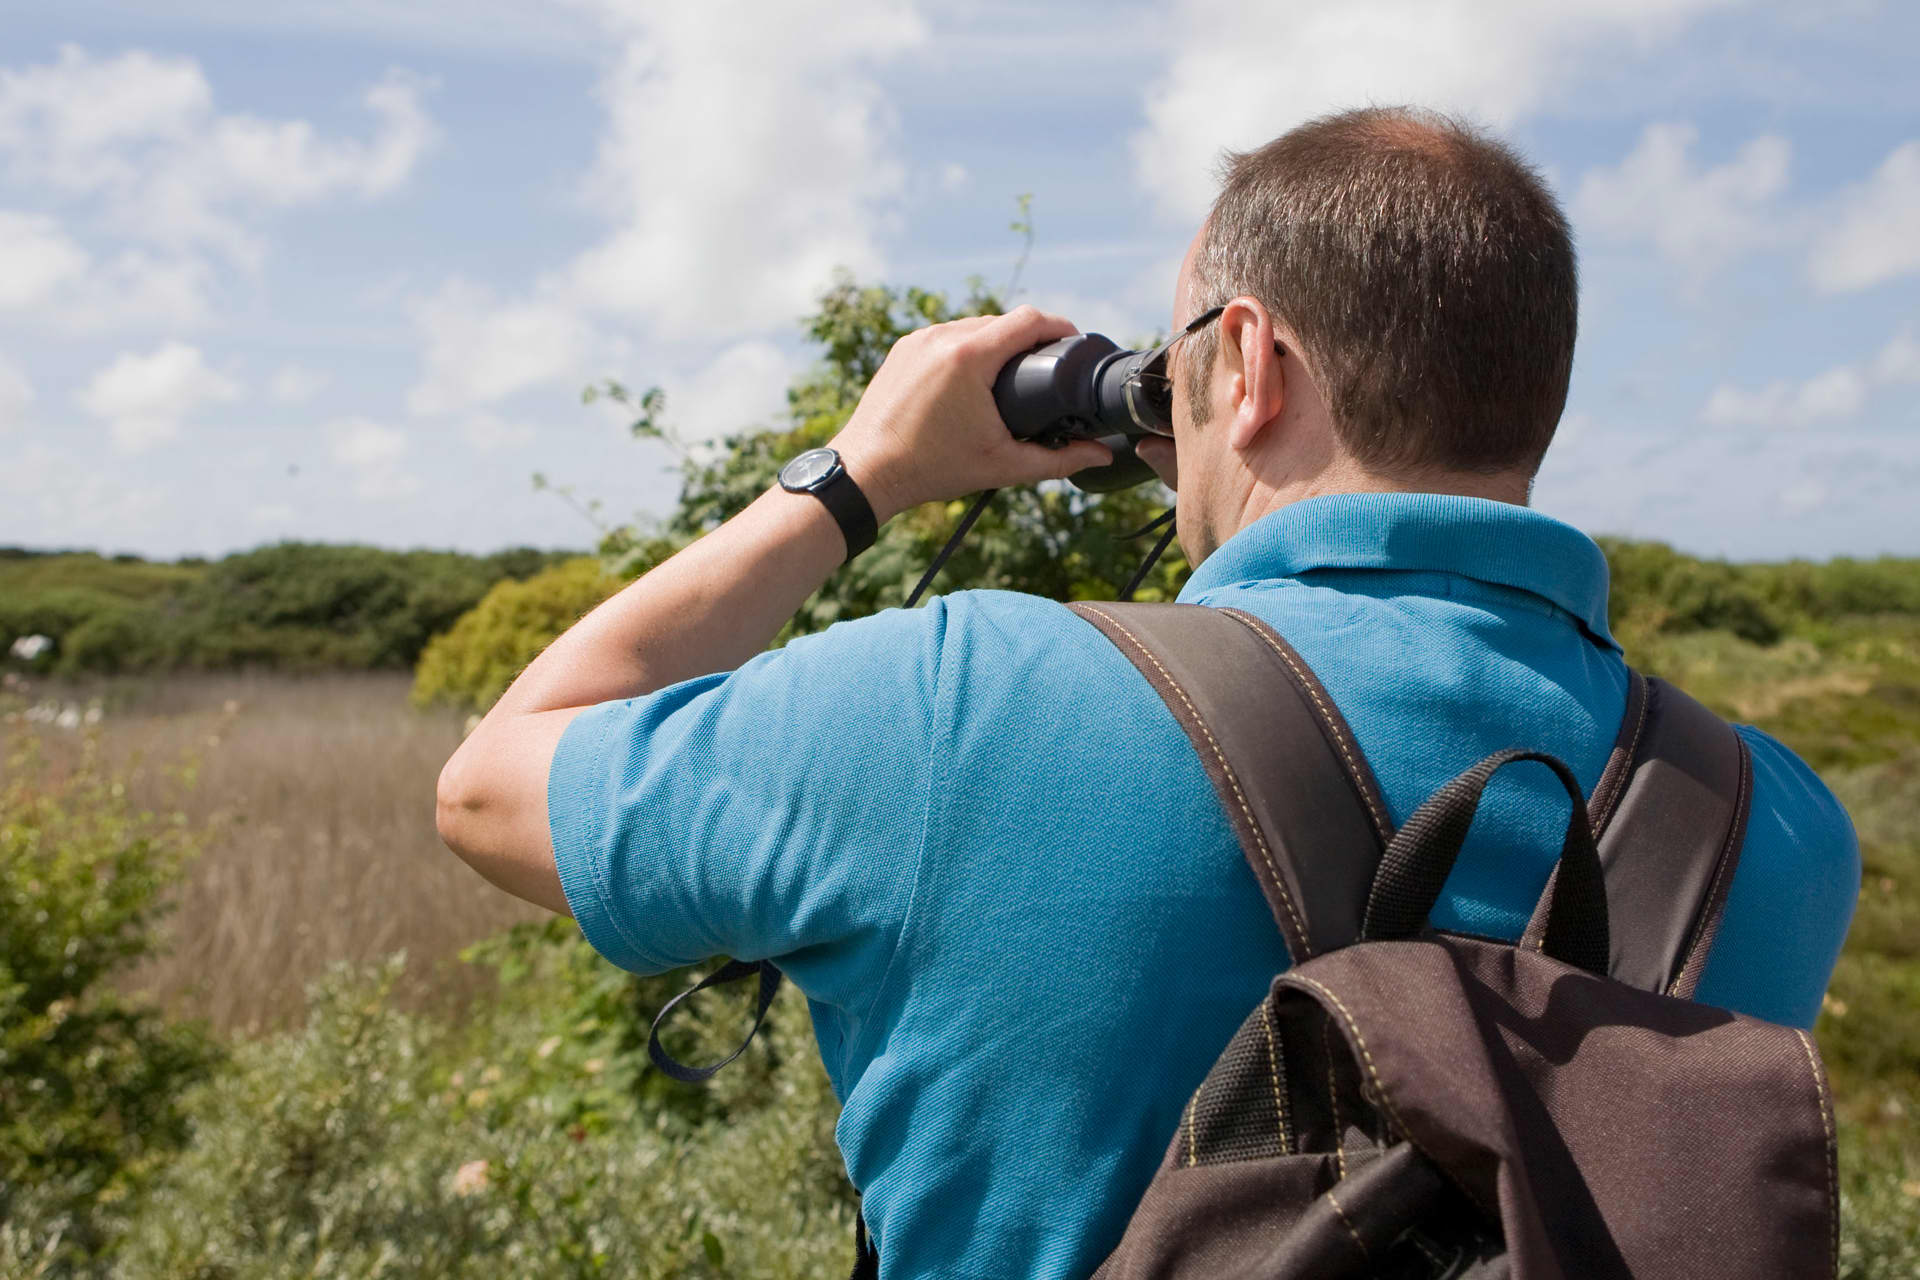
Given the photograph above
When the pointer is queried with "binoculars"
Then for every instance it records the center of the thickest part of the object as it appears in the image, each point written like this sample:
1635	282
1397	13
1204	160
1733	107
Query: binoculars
1087	387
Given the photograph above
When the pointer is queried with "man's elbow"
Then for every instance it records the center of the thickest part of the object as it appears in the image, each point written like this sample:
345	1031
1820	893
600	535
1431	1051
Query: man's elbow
457	802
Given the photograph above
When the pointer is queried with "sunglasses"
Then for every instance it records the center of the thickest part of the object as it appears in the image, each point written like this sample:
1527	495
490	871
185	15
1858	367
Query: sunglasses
1149	391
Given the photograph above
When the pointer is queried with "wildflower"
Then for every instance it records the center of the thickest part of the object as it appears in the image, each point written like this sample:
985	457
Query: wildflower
471	1178
547	1047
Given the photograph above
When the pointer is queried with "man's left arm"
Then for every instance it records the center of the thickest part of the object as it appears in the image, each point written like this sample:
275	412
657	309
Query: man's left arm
925	430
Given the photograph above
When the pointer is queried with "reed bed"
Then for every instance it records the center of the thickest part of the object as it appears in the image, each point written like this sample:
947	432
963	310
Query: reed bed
316	797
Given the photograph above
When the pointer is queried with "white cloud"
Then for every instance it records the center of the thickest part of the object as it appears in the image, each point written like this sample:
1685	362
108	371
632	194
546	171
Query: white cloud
16	393
745	386
375	454
479	350
145	398
489	433
1898	361
138	134
742	162
47	278
36	258
747	155
954	176
290	384
1837	394
1494	60
1875	232
1696	218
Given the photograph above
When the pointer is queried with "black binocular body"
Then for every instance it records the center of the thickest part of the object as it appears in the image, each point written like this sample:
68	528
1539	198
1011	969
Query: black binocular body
1087	387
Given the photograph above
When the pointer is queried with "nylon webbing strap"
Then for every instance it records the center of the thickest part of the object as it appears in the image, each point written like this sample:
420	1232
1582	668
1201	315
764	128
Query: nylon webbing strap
1299	794
1670	821
731	971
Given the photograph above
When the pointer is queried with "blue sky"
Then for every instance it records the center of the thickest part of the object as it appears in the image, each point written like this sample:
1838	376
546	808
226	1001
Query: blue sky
339	270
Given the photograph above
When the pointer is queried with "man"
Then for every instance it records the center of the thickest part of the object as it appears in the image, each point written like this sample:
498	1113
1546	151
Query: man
976	838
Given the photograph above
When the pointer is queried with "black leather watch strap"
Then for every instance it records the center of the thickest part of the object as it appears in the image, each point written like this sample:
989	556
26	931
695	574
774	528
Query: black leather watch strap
850	509
821	473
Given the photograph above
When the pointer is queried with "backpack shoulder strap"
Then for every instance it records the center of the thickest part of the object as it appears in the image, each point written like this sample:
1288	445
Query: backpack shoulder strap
1300	795
1671	814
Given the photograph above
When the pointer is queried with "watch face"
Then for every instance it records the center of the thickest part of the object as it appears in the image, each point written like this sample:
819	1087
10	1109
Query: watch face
809	468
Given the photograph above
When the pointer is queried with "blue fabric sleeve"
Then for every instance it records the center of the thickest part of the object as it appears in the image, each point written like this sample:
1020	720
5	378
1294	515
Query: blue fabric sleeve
756	813
1792	896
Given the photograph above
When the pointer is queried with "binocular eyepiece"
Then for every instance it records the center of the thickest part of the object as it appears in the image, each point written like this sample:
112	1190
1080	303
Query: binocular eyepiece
1087	387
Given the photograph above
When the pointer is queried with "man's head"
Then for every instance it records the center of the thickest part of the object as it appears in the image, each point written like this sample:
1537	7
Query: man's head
1419	280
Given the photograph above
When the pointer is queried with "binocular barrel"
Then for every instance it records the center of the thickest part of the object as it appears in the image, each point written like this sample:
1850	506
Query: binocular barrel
1077	389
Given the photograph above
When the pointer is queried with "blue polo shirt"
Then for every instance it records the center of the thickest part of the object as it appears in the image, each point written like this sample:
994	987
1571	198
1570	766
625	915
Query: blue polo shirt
978	841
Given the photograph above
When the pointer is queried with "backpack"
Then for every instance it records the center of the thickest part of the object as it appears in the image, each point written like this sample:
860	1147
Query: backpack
1411	1103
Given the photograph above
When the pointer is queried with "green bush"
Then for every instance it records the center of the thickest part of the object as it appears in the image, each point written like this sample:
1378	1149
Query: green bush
374	1144
297	606
89	1082
472	663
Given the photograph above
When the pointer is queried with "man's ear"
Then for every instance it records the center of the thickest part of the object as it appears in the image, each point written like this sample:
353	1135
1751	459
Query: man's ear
1258	388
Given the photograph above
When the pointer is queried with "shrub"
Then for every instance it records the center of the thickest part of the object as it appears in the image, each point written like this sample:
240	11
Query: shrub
370	1144
299	606
89	1082
472	663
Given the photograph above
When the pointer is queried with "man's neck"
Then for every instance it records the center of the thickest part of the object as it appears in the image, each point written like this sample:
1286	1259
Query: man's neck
1345	476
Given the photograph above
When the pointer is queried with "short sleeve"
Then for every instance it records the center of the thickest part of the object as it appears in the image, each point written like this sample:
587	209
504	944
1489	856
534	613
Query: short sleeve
1792	896
769	810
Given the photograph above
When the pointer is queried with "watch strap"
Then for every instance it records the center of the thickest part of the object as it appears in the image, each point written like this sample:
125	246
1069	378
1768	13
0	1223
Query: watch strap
850	509
844	502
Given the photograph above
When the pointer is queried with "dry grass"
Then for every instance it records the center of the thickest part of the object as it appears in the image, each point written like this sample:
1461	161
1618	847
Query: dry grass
317	793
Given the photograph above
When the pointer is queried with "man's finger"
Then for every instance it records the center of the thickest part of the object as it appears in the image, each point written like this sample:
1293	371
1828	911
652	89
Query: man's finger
1043	463
1023	329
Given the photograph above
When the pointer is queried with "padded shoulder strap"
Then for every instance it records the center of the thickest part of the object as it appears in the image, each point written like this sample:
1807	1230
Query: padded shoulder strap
1671	814
1299	793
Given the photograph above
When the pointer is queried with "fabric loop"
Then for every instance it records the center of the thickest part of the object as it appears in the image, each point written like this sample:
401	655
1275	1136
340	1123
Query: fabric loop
1422	853
730	972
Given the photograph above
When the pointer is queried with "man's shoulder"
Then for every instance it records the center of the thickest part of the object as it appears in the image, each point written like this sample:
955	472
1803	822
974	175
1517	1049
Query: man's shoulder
1786	785
1792	897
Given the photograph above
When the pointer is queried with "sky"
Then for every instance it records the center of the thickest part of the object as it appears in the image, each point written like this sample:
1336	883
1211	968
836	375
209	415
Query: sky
339	269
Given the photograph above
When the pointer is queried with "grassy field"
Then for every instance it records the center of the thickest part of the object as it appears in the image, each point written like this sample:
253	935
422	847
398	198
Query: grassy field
316	797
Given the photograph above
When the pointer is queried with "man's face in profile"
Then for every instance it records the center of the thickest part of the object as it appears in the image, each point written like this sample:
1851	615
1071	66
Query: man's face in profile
1191	410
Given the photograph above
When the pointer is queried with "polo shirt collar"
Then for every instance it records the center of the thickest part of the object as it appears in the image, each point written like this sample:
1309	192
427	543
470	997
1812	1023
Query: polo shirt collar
1479	538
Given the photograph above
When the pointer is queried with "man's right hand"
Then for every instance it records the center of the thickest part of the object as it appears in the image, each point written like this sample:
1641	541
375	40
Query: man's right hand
927	429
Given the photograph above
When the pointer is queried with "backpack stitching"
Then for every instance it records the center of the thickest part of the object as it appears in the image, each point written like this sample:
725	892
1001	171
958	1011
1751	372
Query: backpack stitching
1439	1263
1193	1148
1826	1129
1366	1055
1620	791
1273	1076
1729	855
1333	1100
1233	780
1326	718
1346	1222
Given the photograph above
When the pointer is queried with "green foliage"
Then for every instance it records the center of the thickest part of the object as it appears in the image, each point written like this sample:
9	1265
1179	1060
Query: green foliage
89	1082
472	663
374	1144
293	605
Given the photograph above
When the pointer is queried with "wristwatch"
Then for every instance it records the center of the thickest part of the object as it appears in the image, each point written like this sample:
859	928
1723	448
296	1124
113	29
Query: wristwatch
821	473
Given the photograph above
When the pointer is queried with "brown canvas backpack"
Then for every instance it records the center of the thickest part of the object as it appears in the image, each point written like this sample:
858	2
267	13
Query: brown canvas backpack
1410	1103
